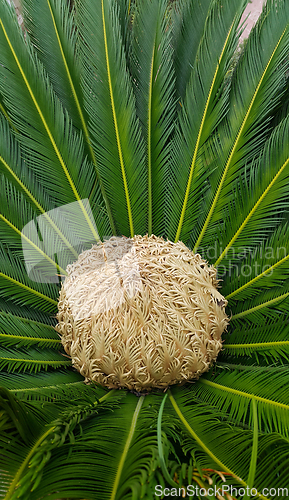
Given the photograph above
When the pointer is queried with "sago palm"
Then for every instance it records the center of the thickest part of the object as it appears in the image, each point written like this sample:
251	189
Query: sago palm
144	251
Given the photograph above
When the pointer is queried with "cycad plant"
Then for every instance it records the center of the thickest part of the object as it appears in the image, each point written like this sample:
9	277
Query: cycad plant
137	125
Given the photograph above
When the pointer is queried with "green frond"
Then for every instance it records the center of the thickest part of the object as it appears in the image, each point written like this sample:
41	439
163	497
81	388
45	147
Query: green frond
15	448
196	419
4	114
14	167
249	364
25	422
8	308
189	25
270	304
32	359
20	332
49	241
155	100
256	89
163	465
52	30
63	385
126	14
12	232
264	267
113	125
261	204
145	116
254	456
16	212
32	105
233	391
16	286
74	429
268	342
24	201
225	440
199	114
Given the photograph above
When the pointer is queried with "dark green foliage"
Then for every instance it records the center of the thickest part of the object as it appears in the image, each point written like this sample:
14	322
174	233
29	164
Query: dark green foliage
146	109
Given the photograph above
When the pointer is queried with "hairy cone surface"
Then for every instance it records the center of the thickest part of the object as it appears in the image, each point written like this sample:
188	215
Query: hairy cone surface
141	313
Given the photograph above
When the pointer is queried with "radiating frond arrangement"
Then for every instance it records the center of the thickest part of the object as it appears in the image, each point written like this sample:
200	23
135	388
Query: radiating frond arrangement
129	118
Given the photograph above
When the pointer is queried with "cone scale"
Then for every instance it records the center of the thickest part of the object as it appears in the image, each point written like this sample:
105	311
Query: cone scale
141	313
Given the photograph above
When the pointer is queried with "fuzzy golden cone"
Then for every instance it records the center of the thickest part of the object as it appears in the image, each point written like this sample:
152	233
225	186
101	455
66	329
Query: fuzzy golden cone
141	313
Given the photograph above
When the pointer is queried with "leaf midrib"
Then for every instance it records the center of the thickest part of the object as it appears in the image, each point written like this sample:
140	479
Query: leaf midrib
49	133
81	116
257	345
251	213
196	149
74	93
36	361
31	452
31	290
202	444
30	242
29	339
126	447
260	306
37	204
26	320
120	153
239	135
